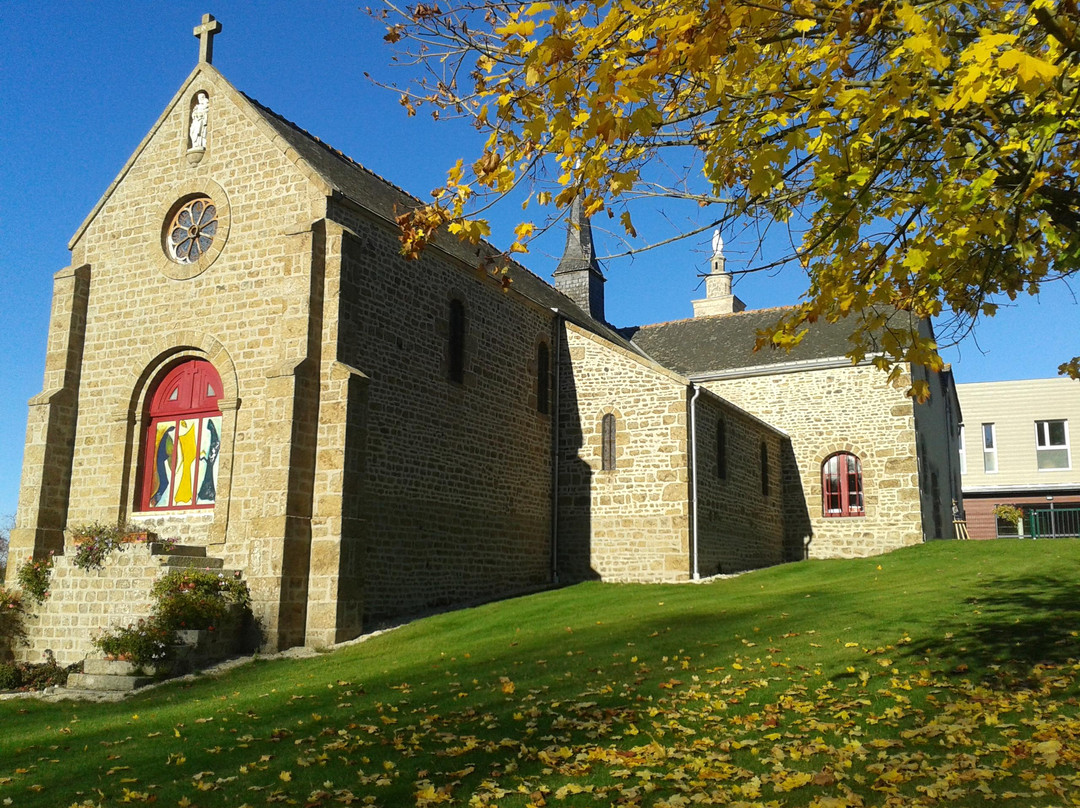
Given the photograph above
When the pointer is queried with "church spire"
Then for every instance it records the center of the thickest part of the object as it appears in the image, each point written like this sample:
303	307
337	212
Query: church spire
718	297
205	32
578	275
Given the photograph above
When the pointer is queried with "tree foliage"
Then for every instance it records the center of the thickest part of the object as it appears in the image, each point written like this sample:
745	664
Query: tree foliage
923	153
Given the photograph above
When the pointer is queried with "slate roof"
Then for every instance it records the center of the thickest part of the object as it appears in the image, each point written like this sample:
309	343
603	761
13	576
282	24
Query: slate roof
370	191
705	345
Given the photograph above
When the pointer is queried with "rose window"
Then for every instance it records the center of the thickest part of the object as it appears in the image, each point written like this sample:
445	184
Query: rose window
192	230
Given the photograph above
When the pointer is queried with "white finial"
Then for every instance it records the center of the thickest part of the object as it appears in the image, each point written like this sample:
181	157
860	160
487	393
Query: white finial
717	243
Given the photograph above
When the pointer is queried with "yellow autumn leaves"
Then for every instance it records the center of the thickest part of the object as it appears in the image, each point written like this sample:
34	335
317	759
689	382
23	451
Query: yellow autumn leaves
924	150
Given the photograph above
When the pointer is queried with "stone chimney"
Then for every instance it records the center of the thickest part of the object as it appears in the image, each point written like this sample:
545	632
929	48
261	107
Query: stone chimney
718	296
578	275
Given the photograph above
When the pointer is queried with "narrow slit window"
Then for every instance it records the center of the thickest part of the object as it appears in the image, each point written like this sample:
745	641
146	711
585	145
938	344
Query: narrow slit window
543	378
456	346
989	445
764	469
721	449
607	442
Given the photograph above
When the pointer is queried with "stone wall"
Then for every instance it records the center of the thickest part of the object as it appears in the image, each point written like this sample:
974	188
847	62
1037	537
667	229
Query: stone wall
251	306
850	409
83	604
740	525
629	523
457	483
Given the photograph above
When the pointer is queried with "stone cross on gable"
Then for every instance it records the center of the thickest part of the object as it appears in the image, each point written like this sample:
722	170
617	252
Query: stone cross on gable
205	34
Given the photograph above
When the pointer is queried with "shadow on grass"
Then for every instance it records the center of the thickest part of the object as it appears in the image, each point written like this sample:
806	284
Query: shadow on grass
1017	622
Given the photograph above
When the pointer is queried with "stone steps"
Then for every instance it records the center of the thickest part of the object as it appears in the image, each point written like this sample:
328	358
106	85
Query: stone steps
111	683
119	676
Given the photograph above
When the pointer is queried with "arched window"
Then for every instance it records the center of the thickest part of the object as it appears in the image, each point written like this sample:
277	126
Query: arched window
841	486
721	449
607	442
543	378
456	346
183	439
764	470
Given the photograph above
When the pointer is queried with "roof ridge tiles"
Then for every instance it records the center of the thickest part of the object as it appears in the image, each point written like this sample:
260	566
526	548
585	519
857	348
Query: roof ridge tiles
717	316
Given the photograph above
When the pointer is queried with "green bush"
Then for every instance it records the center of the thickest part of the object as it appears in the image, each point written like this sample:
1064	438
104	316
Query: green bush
31	676
95	542
9	676
34	577
12	618
199	599
147	642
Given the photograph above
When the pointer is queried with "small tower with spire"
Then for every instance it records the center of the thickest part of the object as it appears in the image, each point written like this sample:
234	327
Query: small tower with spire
578	275
718	297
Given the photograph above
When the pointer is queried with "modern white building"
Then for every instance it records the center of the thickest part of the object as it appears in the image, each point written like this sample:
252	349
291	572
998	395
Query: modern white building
1018	446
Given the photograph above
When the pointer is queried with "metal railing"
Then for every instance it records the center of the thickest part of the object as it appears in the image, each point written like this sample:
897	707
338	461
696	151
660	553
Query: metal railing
1053	523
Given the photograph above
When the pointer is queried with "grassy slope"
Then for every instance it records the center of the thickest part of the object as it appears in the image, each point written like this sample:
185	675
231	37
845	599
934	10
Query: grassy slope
945	674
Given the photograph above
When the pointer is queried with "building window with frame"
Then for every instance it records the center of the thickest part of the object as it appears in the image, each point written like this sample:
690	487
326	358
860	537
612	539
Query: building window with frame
607	442
764	469
989	446
183	439
841	486
456	341
721	449
962	452
543	378
1052	445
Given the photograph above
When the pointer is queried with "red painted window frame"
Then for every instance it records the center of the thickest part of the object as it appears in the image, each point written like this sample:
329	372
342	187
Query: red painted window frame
838	486
190	379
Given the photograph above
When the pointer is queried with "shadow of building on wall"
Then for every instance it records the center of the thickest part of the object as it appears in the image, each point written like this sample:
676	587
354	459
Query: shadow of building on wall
575	479
798	530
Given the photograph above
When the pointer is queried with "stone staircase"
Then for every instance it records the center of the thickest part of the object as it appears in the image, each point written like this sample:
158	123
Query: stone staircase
194	650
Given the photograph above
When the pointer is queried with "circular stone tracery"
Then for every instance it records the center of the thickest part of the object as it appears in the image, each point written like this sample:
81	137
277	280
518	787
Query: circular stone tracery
191	231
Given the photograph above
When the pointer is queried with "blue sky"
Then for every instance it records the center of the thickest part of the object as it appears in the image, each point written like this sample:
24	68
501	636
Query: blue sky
81	83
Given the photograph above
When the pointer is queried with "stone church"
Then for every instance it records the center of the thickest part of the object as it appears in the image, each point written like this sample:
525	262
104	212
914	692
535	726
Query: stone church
240	359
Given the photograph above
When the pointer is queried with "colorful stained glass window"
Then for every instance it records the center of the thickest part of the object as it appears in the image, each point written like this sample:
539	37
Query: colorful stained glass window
183	439
192	229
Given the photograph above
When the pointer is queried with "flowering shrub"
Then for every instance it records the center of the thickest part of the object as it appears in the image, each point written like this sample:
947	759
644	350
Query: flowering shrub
200	599
36	676
147	642
95	542
1010	513
12	616
34	577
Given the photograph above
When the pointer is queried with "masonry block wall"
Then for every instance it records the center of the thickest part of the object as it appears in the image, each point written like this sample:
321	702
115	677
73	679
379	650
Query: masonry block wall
82	604
851	409
629	523
740	520
247	308
458	474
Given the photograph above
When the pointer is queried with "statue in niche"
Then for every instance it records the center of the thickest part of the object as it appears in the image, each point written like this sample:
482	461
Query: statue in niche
197	130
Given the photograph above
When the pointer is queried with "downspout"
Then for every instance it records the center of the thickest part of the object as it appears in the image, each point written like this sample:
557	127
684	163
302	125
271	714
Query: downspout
556	384
693	477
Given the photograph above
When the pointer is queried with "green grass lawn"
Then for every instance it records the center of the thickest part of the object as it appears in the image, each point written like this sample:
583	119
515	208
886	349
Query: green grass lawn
945	674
